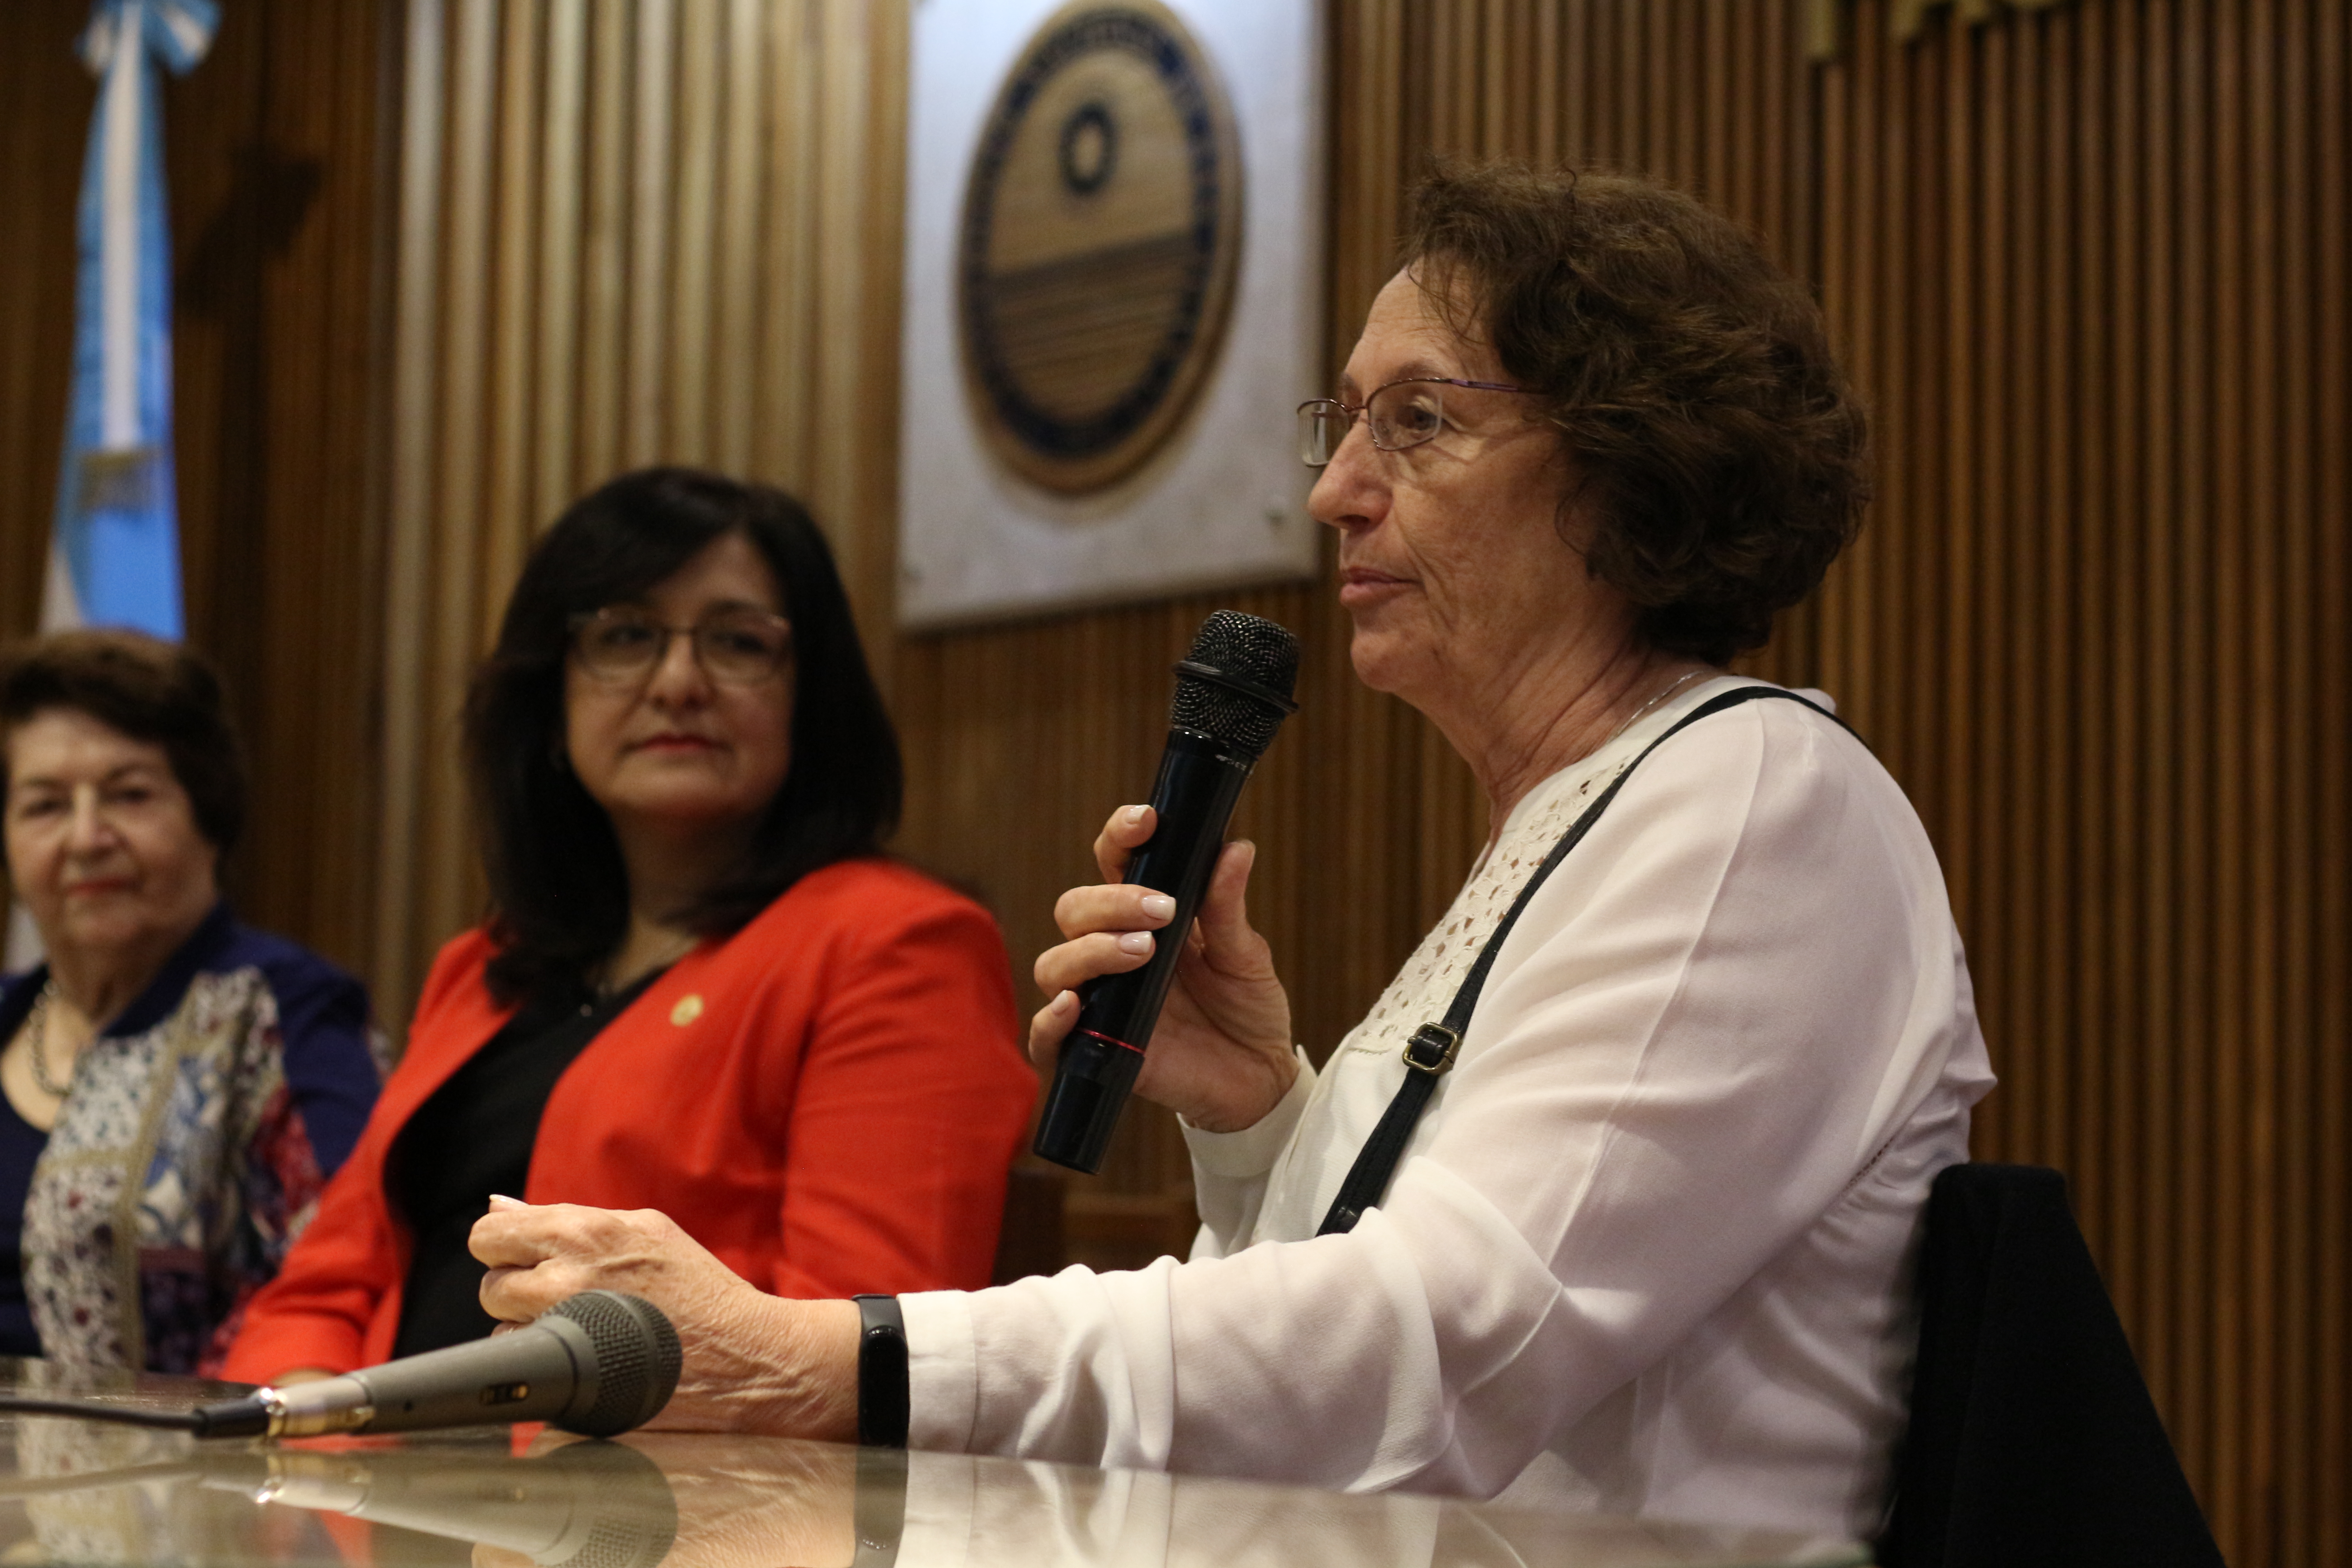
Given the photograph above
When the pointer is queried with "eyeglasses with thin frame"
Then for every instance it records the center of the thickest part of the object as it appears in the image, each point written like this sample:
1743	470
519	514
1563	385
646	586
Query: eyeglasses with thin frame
1400	414
739	646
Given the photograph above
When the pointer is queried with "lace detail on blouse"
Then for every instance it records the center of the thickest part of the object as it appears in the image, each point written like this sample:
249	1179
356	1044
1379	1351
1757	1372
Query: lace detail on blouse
1430	977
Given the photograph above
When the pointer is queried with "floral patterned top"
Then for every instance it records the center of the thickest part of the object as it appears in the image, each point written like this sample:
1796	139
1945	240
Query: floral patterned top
201	1126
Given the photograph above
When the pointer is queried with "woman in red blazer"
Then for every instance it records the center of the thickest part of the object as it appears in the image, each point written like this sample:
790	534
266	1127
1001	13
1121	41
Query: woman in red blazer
701	990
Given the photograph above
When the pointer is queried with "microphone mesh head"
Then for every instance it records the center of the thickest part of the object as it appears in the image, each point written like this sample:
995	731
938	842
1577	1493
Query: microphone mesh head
1253	649
637	1361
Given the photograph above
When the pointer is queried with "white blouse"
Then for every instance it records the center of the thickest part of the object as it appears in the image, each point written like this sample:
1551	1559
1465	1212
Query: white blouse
1647	1252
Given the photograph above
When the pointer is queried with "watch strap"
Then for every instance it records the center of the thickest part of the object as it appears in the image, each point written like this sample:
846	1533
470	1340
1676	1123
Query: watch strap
883	1399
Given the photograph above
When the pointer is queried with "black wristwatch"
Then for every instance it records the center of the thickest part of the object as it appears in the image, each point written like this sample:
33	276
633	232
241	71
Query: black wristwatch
882	1396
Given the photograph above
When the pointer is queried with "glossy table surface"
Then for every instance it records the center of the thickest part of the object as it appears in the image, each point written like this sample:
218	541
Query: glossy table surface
83	1492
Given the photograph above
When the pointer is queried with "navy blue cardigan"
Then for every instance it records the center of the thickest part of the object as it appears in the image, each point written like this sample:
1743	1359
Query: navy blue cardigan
203	1122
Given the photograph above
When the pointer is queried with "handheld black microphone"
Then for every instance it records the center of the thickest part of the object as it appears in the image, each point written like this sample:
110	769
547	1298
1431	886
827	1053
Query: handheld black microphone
598	1364
1232	692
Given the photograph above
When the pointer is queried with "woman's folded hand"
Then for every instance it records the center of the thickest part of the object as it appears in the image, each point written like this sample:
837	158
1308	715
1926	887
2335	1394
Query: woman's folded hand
754	1363
1221	1056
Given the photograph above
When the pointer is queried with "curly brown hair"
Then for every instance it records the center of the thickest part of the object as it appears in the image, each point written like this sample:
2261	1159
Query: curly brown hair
165	693
1691	378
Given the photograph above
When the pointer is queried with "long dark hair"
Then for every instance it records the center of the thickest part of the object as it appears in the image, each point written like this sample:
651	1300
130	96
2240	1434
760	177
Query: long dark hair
560	893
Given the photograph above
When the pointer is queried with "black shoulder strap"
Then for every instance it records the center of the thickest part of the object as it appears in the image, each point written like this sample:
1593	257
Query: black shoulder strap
1430	1051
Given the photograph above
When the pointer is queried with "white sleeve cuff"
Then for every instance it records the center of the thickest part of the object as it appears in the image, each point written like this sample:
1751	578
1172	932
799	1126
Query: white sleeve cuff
1252	1152
942	1370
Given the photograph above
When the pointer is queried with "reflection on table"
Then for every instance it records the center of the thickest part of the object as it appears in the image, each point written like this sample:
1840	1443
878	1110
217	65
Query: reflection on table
83	1492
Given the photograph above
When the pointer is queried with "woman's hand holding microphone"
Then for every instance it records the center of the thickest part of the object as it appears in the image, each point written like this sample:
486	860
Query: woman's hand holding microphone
1221	1056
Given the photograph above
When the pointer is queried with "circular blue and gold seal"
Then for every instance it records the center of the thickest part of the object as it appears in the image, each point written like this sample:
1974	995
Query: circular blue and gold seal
1101	231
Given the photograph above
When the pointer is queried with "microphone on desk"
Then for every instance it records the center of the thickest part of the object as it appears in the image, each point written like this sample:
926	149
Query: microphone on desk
597	1365
1232	692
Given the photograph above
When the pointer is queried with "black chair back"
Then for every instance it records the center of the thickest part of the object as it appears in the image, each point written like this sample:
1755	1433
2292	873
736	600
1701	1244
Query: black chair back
2033	1439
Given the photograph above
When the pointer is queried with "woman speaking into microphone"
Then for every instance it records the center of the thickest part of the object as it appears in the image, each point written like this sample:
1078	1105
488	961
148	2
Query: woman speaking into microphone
1607	1202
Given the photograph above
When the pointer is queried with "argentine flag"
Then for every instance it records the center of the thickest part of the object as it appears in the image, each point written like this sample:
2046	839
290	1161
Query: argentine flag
114	551
114	556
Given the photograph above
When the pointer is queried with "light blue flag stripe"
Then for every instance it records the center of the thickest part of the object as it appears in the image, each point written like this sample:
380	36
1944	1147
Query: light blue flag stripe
116	556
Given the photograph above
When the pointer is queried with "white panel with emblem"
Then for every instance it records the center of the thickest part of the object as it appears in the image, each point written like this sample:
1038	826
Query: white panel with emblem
1114	302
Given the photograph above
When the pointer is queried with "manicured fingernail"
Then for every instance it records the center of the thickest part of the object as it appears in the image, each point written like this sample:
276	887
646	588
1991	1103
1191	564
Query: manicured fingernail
1065	1001
1136	941
501	1201
1135	814
1159	906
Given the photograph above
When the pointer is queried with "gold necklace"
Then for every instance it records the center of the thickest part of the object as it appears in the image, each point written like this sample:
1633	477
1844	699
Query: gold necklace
38	1027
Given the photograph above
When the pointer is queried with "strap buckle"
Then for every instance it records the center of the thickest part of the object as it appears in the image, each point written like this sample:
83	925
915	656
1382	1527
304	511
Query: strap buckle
1432	1049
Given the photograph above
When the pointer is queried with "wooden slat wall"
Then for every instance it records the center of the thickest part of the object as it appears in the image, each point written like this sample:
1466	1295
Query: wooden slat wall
40	173
2089	264
2092	265
628	232
272	154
